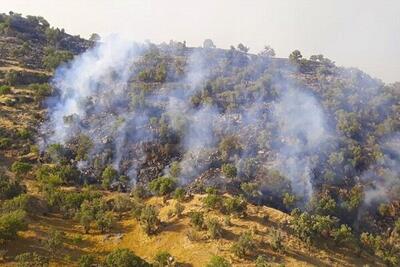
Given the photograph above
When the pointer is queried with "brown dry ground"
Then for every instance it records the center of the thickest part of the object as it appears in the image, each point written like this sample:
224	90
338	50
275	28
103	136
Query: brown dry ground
173	238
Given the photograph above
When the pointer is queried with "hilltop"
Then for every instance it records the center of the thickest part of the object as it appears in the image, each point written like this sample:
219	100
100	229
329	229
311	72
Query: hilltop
209	155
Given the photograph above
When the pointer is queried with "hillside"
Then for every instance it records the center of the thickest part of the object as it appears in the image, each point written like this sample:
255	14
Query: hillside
198	152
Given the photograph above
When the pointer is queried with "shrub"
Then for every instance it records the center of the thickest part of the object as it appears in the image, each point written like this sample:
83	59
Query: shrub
5	89
149	219
311	227
236	205
229	170
179	208
218	261
250	189
41	90
162	185
24	133
136	209
31	260
244	245
343	235
276	242
58	153
175	169
54	58
163	258
197	219
104	221
262	261
212	200
9	188
289	200
5	142
124	258
139	192
229	146
20	168
11	223
214	228
54	241
17	203
86	261
108	176
122	203
179	194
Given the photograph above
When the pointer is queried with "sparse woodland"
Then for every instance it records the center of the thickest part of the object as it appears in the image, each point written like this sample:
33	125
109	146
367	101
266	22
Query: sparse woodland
168	155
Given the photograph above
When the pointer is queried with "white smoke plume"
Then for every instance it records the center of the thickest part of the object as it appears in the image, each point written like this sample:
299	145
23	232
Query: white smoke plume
302	132
382	180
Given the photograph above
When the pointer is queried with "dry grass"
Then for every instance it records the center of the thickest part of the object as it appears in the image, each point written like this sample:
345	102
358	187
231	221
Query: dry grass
173	238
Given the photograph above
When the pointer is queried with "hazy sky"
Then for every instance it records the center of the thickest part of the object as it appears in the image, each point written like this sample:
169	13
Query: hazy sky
353	33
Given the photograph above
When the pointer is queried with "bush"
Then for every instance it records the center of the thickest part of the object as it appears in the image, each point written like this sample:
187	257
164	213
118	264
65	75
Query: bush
17	203
162	185
343	235
229	170
244	245
20	168
58	153
197	219
175	169
54	58
104	221
276	242
86	261
11	223
250	189
179	194
214	228
5	142
289	200
311	227
217	261
108	176
262	261
9	188
163	258
139	192
5	89
24	133
149	219
212	200
41	90
54	241
124	258
236	205
31	260
179	208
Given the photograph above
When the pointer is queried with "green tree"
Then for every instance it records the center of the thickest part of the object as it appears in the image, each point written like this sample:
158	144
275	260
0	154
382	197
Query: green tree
124	258
108	176
218	261
229	170
11	223
86	261
33	259
295	56
149	219
54	241
244	245
197	219
162	185
214	228
162	259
